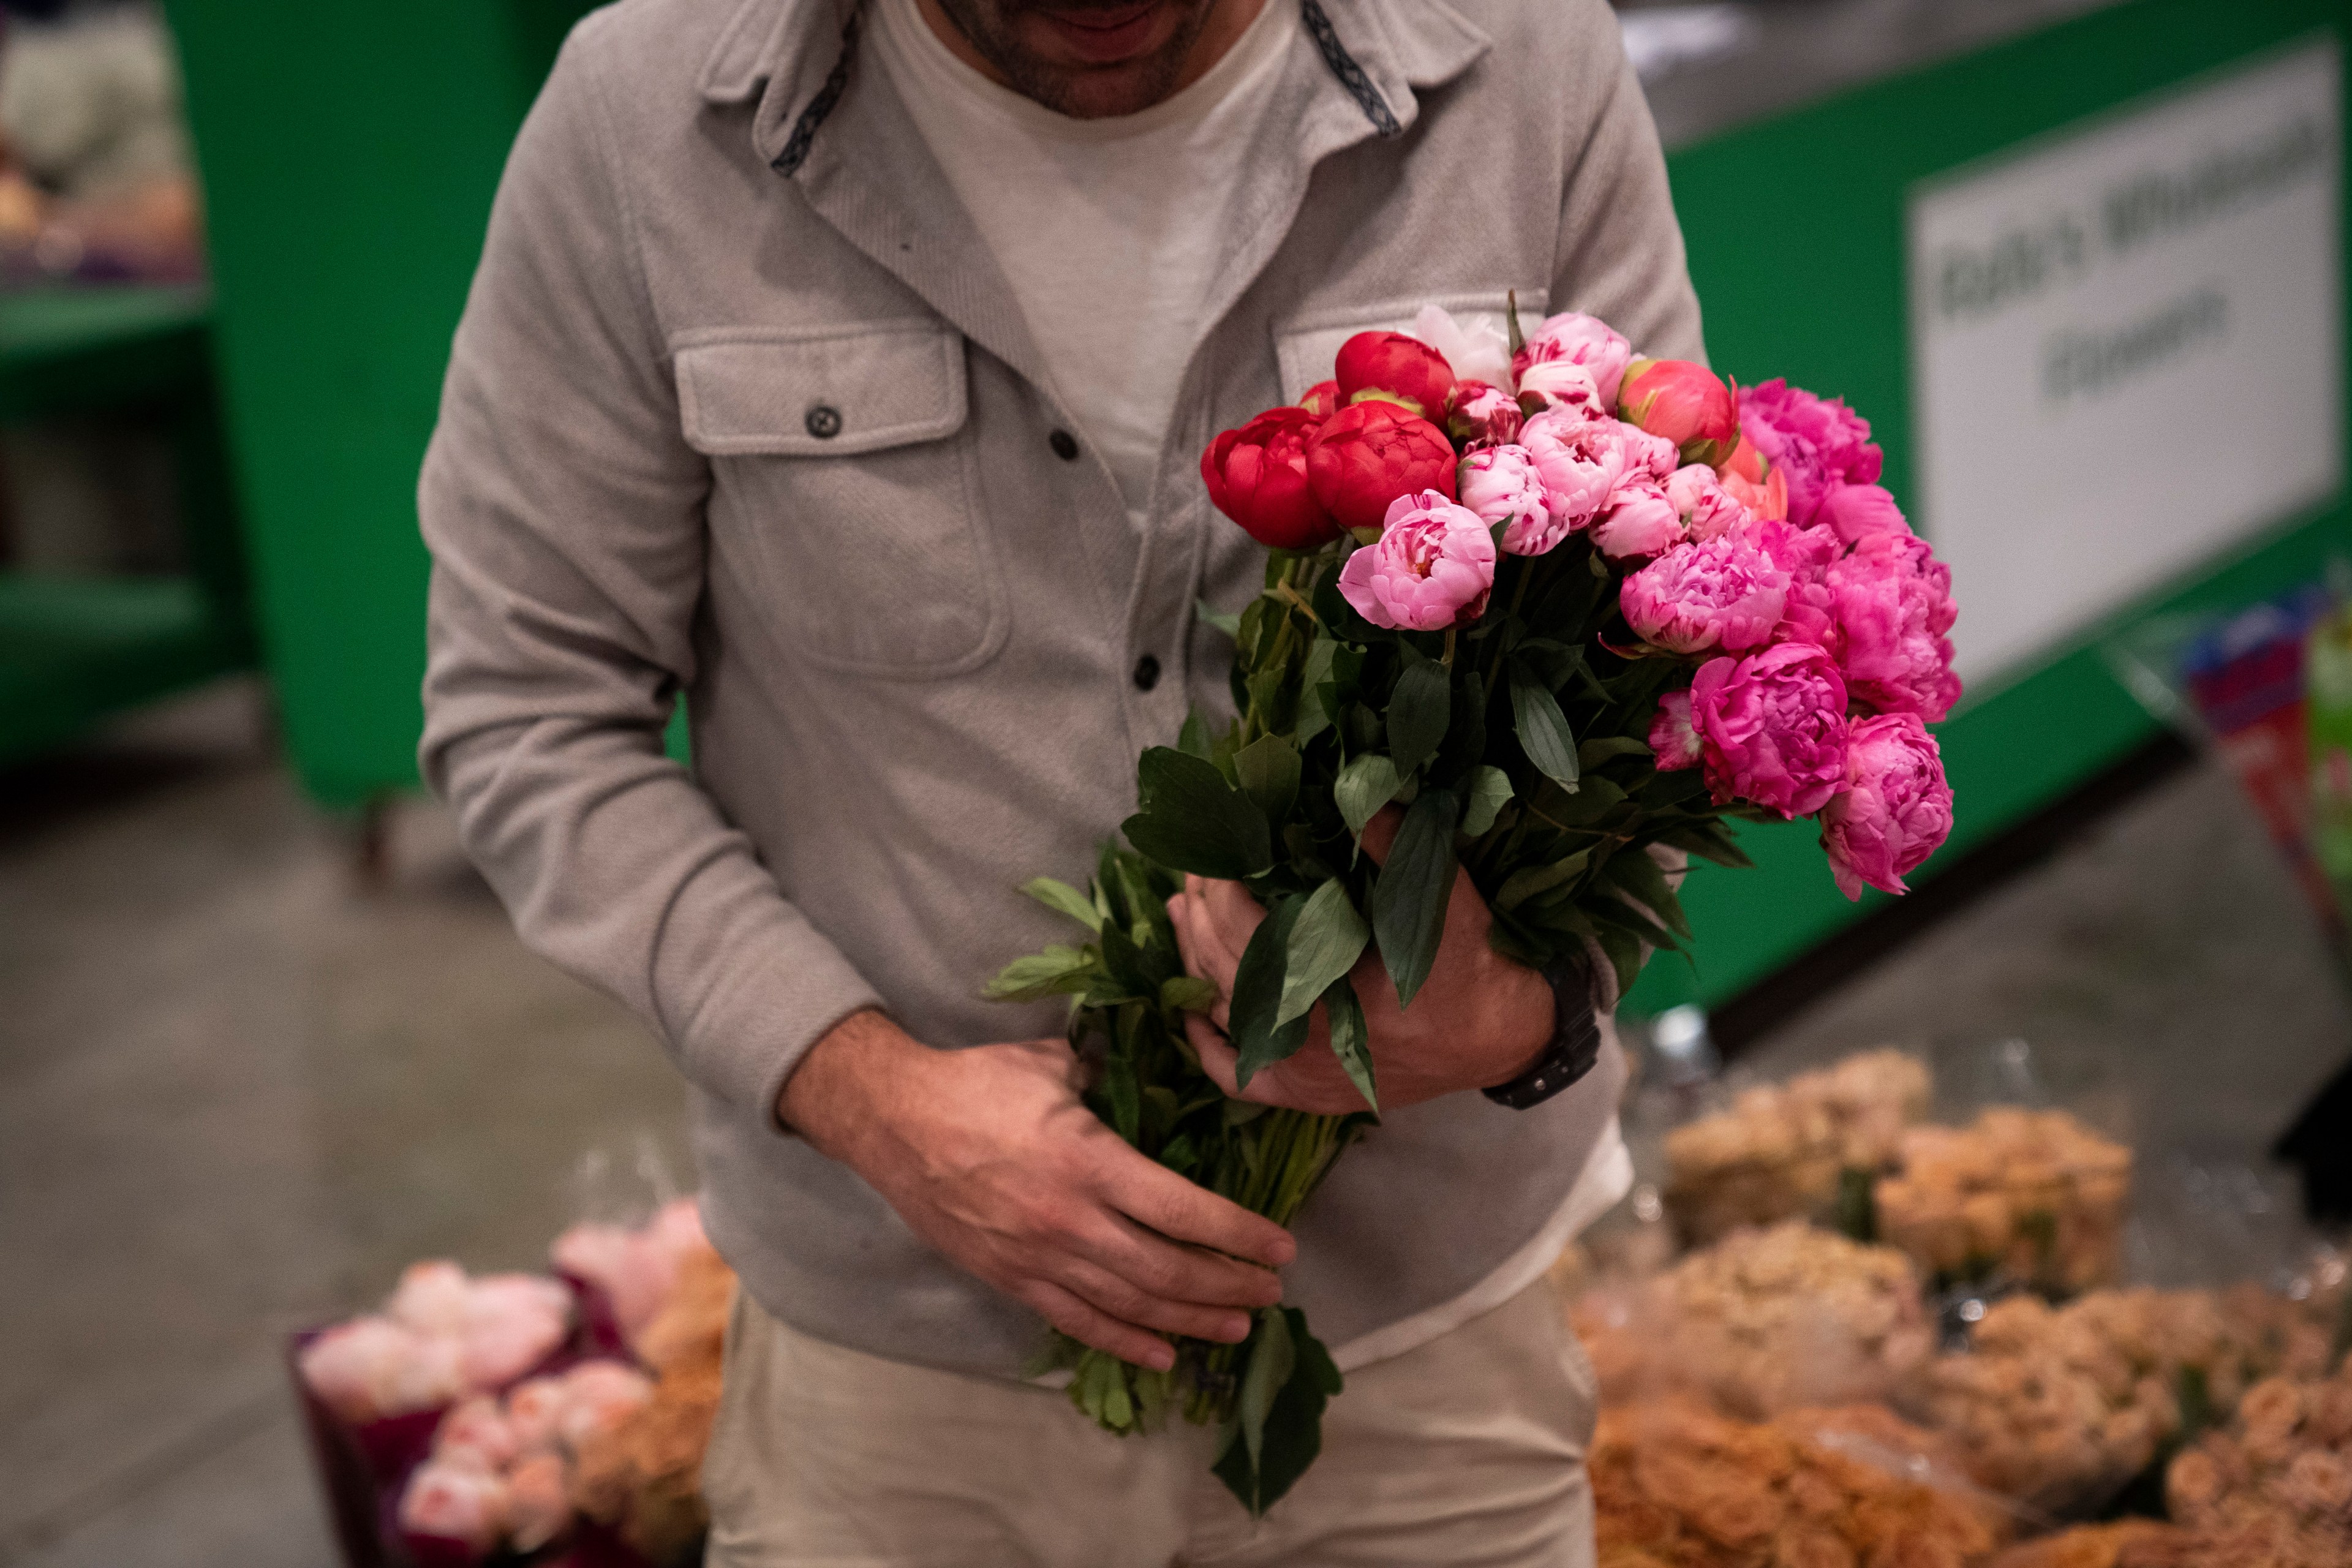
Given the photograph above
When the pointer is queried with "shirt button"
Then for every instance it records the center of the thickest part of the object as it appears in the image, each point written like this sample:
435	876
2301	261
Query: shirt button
824	421
1147	673
1065	444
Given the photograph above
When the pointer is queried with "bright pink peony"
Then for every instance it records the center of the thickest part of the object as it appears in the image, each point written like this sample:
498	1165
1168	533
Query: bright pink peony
1368	454
1392	365
1501	485
1687	404
1818	444
1572	338
1672	738
1772	727
1257	476
1707	509
1727	593
1639	521
1431	567
1855	513
1897	807
1479	414
1892	602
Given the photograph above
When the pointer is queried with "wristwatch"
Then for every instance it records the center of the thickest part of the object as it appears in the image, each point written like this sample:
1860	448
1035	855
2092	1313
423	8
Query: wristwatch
1575	1040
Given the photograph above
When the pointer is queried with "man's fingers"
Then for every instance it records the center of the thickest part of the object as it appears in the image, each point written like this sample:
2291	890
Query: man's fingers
1122	1298
1089	1325
1208	953
1159	1199
1168	1271
1379	832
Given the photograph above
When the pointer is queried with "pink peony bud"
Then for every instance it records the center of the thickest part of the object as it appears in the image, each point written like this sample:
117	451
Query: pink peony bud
1707	509
1896	808
1687	404
1855	513
1772	727
1892	602
1431	567
1640	522
1322	399
1501	485
1479	414
1257	476
1368	454
467	1507
1727	593
1672	739
1392	365
1576	339
1816	443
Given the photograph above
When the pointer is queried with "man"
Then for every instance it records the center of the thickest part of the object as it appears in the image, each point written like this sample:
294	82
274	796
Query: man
846	368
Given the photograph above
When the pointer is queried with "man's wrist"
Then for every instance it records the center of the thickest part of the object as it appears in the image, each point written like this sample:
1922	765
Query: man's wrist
829	1093
1572	1042
1524	1021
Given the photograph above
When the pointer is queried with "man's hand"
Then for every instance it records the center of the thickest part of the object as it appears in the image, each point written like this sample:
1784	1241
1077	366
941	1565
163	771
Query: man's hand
990	1155
1478	1020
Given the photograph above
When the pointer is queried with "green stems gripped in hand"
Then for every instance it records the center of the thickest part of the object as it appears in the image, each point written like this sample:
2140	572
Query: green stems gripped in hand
990	1155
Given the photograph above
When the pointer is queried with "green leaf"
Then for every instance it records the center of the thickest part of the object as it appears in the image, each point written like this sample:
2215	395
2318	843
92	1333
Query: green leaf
1325	942
1529	880
1064	898
1290	1435
1057	971
1188	995
1351	1041
1250	1023
1269	769
1366	783
1272	1361
1126	1096
1645	879
1708	841
1193	820
1409	899
1543	729
1210	616
1419	710
1192	740
1490	787
1606	748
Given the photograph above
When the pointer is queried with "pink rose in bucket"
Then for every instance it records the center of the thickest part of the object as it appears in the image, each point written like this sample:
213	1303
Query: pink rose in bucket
1772	727
1897	807
1501	485
1431	567
1726	594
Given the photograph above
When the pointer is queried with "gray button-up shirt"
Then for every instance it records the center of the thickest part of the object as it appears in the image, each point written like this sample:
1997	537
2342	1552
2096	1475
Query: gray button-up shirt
741	408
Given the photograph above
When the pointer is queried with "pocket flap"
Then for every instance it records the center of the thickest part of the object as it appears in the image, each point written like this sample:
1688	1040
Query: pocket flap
1304	347
825	393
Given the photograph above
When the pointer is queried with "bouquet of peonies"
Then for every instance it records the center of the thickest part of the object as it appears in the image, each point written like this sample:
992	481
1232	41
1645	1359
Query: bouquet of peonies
1561	607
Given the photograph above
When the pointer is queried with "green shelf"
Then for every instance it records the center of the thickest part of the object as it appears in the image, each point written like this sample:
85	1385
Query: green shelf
74	649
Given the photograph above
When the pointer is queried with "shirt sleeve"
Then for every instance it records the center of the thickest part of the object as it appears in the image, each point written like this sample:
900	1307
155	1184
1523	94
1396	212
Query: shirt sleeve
565	516
1621	247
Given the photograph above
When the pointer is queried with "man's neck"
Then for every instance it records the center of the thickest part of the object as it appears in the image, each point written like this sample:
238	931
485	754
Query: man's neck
1228	20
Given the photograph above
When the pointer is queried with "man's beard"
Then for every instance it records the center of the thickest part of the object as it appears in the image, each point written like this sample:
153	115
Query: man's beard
1081	92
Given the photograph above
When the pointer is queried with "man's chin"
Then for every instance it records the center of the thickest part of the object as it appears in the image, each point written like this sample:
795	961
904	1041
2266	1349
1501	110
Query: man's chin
1105	93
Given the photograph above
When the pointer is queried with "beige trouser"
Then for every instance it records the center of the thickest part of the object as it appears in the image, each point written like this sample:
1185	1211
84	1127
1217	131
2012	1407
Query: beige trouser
1469	1450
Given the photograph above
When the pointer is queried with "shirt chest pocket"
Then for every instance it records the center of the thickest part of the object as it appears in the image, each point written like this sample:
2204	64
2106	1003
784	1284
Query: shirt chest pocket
840	456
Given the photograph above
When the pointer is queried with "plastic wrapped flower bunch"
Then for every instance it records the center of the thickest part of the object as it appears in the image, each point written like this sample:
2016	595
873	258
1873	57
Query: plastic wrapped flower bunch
2031	1197
1785	1151
2275	1485
1762	1321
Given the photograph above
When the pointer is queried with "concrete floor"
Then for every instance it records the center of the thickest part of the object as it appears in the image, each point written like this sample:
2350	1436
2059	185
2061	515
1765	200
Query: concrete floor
236	1093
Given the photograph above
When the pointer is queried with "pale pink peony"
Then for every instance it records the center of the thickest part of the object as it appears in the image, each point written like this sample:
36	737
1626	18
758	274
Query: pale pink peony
1578	463
1707	509
475	1435
512	1322
1639	523
450	1503
1572	338
1431	567
1727	593
1478	346
372	1367
1897	807
539	1504
1772	727
1816	443
1855	513
430	1297
1892	601
1501	485
1672	738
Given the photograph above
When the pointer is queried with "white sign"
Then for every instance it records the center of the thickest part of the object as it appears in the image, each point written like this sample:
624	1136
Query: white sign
2127	350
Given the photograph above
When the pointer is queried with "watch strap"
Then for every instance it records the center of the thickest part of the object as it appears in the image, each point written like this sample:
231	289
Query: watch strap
1575	1041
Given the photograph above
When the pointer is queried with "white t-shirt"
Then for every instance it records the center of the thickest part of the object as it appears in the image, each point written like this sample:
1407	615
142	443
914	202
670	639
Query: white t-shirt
1106	230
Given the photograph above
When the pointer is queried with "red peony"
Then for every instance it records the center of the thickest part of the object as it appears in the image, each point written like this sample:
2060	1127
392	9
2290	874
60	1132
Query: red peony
1369	453
1257	476
1394	366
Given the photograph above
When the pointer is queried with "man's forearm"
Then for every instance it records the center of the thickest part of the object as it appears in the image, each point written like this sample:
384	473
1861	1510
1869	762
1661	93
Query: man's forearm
839	1083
